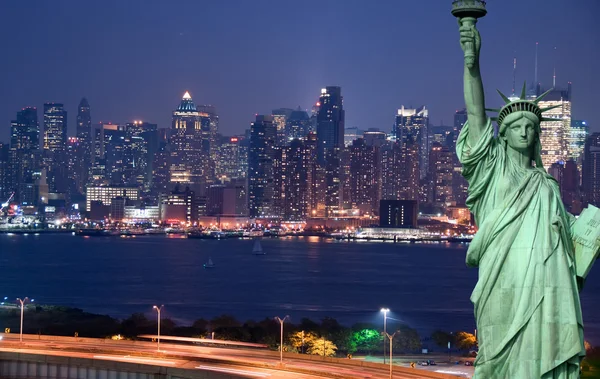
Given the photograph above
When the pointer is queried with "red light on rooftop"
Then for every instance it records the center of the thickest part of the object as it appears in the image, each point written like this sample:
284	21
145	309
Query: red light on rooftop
234	139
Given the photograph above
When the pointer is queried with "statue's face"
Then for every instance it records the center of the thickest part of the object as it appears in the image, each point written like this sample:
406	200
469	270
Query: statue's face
520	133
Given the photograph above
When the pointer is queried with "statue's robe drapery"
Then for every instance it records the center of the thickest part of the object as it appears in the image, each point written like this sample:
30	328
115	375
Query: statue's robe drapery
526	300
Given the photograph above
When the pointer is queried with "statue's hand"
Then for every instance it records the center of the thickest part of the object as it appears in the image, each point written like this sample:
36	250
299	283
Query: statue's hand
470	40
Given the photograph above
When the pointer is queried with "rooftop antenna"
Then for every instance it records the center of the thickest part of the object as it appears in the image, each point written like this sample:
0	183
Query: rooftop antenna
535	81
514	73
554	75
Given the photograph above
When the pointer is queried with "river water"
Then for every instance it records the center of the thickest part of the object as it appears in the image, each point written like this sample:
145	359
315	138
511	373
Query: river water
425	285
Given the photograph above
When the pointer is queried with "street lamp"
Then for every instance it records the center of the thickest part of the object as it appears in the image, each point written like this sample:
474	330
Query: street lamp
385	312
158	309
281	321
391	338
22	302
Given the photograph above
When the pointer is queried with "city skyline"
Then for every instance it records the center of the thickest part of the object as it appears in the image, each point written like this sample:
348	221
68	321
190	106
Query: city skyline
240	81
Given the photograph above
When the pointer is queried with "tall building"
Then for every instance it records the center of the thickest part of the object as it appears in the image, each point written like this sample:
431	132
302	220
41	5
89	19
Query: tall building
84	151
209	121
459	183
297	126
228	160
140	146
261	155
186	165
440	175
412	129
391	171
5	185
299	162
364	177
591	169
577	136
556	134
330	122
330	137
281	118
24	153
55	143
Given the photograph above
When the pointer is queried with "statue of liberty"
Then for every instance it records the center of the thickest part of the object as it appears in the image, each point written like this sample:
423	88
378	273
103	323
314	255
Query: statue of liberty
526	300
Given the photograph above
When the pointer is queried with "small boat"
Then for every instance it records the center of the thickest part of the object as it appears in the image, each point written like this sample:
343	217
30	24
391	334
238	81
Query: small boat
257	249
209	264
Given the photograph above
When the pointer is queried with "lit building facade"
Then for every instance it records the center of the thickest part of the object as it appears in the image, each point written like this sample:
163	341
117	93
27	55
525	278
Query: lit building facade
364	177
25	154
459	183
330	138
297	126
556	134
441	169
106	194
84	151
412	130
5	184
299	180
591	170
261	155
187	167
281	118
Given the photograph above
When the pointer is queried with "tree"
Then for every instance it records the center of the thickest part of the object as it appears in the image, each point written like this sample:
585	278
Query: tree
442	338
301	340
407	340
323	347
464	340
367	340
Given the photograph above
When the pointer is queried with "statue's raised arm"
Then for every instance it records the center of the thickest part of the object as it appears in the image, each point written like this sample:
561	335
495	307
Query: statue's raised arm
470	42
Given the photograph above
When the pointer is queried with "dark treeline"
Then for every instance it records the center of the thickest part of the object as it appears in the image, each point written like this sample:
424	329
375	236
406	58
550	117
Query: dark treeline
306	336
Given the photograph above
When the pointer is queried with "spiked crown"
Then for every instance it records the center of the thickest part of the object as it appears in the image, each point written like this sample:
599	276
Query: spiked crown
522	105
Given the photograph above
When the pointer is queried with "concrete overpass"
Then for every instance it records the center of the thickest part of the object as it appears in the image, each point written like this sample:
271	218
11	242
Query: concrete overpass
56	357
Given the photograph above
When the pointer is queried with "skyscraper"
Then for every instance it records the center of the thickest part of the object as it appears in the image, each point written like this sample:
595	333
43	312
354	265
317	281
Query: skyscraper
364	177
330	138
186	165
281	118
5	185
412	129
210	129
55	127
555	134
261	155
576	141
24	153
55	143
84	149
300	159
591	169
297	126
330	123
459	183
140	146
441	169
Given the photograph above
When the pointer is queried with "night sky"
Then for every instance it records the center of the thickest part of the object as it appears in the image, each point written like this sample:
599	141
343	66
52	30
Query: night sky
134	59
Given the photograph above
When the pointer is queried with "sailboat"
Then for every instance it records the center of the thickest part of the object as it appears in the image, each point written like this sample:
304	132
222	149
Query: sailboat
257	249
209	264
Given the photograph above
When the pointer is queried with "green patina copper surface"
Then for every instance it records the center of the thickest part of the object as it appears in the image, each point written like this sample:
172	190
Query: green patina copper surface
526	300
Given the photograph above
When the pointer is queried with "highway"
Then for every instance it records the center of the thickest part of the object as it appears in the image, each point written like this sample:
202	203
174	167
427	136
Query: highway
242	362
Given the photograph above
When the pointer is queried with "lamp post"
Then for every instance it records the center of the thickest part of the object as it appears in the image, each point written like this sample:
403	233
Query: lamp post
281	321
391	338
158	309
385	312
22	302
